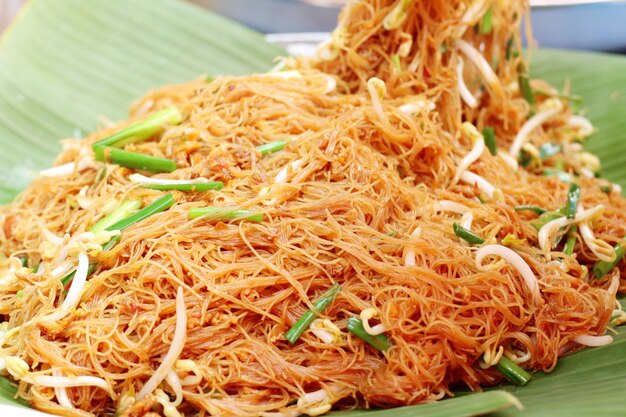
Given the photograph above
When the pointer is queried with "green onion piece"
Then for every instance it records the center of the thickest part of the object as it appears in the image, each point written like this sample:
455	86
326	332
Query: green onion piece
559	164
512	371
100	175
272	147
226	213
19	294
23	261
155	207
134	160
209	78
570	244
569	97
526	90
92	267
125	209
512	240
490	139
281	65
69	277
573	195
467	235
392	234
509	49
397	65
380	342
486	25
304	322
525	158
561	175
444	48
602	268
606	189
114	241
529	207
546	217
143	130
548	149
187	187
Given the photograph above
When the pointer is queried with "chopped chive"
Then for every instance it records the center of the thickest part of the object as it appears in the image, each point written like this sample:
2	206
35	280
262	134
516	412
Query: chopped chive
559	164
114	241
606	188
602	268
23	261
486	25
392	234
226	213
142	130
380	342
495	61
512	240
444	48
573	195
467	235
155	207
209	78
509	49
134	160
126	208
561	175
281	65
569	97
570	244
69	277
100	175
272	147
548	149
546	217
526	90
528	207
512	371
397	65
19	294
525	158
304	322
187	187
490	139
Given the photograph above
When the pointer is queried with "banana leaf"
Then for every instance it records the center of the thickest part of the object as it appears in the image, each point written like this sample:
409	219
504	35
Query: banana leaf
66	64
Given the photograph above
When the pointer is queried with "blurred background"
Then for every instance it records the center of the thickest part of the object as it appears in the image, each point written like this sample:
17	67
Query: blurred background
571	24
8	10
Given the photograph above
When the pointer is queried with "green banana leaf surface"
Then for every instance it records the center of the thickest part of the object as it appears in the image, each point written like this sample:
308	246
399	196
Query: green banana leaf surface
66	65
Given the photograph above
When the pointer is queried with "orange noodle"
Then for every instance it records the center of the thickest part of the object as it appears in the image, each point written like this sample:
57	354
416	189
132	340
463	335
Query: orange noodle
384	173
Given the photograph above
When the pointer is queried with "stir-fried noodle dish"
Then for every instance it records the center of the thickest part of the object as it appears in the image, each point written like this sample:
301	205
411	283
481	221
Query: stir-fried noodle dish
404	214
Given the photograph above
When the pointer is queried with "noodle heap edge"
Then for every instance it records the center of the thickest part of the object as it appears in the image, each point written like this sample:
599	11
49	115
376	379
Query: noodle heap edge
399	216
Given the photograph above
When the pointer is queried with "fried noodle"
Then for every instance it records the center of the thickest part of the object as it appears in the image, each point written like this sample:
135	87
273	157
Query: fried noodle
367	179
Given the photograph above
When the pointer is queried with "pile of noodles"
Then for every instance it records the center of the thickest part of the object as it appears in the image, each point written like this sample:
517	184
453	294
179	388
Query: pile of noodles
366	200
